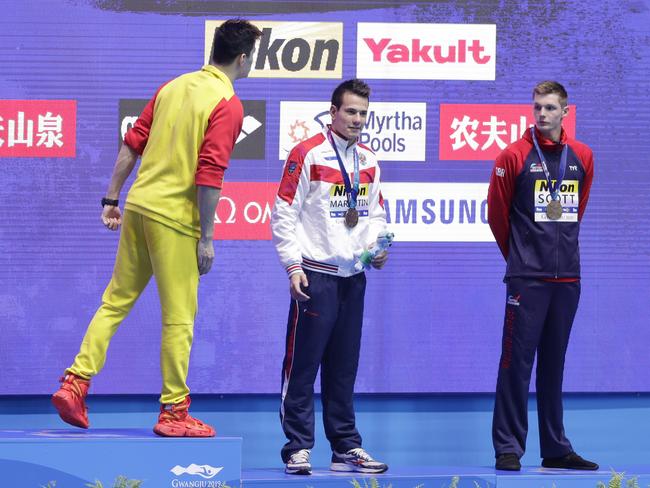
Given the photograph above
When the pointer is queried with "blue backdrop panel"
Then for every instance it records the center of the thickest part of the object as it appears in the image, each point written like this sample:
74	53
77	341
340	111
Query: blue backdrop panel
434	315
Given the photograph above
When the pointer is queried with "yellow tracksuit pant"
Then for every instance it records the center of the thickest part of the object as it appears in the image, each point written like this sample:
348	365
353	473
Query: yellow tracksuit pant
148	247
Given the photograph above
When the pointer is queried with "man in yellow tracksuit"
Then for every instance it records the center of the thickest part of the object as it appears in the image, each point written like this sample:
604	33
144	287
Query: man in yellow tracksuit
168	222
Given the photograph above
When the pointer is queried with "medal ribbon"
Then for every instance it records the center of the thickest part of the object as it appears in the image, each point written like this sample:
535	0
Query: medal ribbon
351	191
553	189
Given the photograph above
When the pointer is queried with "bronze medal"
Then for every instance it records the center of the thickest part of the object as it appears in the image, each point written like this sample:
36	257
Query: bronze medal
554	210
351	218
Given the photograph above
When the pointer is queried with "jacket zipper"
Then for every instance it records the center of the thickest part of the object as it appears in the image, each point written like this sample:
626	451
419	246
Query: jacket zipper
557	249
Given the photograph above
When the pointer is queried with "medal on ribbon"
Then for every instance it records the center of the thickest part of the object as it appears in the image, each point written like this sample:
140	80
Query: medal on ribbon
351	217
554	208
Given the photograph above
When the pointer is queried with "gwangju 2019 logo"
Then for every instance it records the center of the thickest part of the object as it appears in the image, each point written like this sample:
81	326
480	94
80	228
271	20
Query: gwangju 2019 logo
195	472
204	470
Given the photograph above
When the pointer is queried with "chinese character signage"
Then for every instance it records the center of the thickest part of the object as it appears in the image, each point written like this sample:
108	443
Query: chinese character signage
480	132
38	128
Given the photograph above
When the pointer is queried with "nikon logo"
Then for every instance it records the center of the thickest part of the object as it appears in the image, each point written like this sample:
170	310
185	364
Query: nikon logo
293	49
339	190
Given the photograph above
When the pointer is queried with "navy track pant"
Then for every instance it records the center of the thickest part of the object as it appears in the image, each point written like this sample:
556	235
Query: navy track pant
325	332
538	319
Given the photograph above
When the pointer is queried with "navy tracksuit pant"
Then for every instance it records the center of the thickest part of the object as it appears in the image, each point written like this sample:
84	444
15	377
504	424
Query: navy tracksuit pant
538	319
325	332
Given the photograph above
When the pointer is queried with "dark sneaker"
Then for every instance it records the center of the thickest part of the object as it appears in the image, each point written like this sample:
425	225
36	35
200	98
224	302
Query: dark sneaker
175	421
570	461
298	463
70	400
508	462
356	460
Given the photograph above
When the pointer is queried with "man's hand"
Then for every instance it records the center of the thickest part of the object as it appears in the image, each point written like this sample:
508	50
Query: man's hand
126	159
379	260
207	199
111	217
204	255
297	280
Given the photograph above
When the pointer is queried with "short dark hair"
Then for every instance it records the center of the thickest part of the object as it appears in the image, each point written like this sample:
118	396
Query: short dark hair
232	38
551	87
355	86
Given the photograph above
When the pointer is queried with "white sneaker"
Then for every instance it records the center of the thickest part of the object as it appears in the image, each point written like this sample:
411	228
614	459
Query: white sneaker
356	460
298	462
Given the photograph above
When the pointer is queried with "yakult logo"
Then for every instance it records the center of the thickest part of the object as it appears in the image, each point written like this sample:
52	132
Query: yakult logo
426	51
394	131
293	49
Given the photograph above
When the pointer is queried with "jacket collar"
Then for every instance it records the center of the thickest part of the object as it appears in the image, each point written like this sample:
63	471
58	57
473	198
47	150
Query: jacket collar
341	143
217	73
544	143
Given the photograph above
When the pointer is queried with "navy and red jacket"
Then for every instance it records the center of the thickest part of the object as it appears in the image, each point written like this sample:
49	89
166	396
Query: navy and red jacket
533	245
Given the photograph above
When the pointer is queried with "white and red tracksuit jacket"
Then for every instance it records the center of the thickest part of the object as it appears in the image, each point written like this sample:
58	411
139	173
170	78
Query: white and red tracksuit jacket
308	217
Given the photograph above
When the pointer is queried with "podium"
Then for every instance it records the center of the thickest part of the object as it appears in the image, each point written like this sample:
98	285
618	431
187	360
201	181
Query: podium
76	458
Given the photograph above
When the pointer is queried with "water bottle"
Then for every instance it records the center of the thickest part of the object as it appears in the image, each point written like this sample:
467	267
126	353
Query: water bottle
383	242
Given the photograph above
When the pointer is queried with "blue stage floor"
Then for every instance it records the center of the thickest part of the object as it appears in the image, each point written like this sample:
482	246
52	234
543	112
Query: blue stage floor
395	477
430	441
446	477
39	458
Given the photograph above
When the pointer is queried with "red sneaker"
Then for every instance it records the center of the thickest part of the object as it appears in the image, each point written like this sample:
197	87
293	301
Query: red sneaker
69	400
175	421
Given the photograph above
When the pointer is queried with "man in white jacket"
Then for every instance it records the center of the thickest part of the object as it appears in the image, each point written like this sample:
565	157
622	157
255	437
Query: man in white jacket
328	210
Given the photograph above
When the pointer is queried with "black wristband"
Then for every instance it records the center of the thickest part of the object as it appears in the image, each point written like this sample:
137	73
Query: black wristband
108	201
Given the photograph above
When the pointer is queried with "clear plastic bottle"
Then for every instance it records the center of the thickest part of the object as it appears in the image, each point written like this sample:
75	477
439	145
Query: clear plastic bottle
383	242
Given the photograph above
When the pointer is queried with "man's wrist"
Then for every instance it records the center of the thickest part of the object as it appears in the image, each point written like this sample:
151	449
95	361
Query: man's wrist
294	269
110	201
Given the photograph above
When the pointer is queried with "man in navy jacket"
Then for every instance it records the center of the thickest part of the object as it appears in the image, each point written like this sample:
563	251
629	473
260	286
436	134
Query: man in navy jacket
538	194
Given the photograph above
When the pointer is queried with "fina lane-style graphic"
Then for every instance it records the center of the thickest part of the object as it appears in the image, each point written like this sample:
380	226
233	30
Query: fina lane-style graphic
69	73
249	125
251	141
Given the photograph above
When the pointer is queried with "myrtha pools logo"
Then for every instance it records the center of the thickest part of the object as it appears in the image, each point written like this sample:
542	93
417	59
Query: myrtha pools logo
205	470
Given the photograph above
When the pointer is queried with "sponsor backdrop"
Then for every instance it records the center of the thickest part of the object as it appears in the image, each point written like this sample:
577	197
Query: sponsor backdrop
451	87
